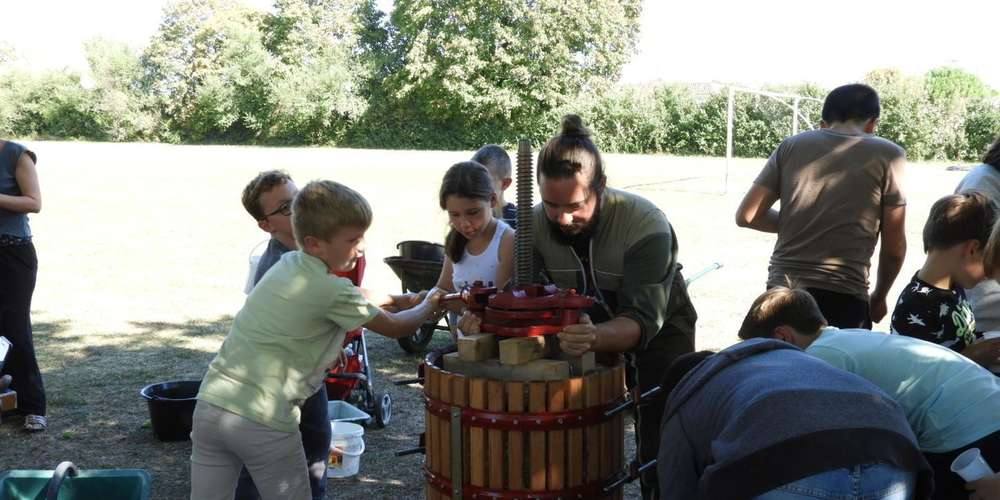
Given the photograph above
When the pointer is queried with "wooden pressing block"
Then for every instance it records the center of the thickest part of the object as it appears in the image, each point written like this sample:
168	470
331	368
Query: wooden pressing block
537	370
520	350
580	365
477	347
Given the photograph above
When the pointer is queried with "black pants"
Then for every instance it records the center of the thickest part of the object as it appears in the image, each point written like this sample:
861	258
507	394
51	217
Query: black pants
18	270
947	484
646	370
842	310
316	434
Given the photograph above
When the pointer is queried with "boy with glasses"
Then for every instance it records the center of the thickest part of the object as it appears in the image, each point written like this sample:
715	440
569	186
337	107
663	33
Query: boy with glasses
268	199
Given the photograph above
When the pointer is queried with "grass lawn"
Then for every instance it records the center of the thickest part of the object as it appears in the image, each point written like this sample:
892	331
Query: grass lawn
143	255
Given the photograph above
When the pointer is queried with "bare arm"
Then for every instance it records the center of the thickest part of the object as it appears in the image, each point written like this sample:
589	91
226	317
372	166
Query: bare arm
620	334
755	210
30	200
446	283
890	257
382	300
987	488
392	303
403	323
445	279
506	268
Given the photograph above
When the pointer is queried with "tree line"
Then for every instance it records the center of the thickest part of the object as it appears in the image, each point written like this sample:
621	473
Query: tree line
435	75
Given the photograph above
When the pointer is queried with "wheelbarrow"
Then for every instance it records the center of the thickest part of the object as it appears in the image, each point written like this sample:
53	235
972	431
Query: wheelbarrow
67	482
418	267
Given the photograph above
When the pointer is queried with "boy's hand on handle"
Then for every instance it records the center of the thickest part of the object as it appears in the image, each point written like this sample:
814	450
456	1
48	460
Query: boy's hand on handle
984	352
469	323
433	298
577	339
987	488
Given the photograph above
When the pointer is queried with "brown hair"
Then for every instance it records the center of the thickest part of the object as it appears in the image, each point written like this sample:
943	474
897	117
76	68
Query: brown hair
571	152
264	182
992	156
780	306
324	207
467	179
958	218
852	102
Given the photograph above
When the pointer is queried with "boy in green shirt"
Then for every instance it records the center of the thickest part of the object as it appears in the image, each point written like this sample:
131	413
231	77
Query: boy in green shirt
289	331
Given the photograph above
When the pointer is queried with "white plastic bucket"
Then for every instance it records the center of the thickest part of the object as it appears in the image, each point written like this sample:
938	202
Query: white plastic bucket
346	447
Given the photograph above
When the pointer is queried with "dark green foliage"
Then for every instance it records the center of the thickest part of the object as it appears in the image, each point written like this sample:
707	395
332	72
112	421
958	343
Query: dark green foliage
439	74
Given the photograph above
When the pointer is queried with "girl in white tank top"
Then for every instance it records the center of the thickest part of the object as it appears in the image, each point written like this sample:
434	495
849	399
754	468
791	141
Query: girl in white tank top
479	246
484	266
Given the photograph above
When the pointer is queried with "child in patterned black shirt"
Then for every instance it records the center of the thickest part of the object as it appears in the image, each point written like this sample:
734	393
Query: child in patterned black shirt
933	306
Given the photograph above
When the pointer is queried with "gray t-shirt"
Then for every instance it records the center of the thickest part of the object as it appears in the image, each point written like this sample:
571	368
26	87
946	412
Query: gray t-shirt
832	187
275	249
985	297
12	223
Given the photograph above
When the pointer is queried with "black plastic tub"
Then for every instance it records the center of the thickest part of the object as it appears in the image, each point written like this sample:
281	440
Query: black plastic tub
171	405
421	250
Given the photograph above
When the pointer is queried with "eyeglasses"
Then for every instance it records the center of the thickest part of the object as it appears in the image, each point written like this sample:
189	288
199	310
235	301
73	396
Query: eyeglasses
283	209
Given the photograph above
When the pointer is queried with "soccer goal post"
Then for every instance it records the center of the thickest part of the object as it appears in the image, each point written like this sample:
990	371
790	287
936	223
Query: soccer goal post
792	101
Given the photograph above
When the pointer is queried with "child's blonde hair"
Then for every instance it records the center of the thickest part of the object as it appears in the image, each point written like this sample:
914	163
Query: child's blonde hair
324	207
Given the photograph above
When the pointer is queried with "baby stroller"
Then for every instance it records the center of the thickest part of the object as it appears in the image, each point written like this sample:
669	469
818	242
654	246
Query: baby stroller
352	381
418	267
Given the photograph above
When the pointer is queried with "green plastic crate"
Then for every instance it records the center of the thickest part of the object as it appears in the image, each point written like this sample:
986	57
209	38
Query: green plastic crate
111	484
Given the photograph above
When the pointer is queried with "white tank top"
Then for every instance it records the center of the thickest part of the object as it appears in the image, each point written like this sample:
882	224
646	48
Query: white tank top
482	267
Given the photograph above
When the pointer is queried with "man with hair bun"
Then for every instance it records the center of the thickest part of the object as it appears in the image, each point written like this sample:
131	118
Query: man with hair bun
620	249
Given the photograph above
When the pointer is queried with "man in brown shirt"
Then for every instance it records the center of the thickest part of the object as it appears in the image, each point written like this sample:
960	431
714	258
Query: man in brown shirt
839	188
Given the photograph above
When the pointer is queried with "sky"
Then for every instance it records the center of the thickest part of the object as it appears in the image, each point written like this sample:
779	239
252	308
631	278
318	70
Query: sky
729	41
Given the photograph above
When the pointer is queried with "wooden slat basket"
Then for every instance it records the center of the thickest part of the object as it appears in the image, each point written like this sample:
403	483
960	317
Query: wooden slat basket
522	440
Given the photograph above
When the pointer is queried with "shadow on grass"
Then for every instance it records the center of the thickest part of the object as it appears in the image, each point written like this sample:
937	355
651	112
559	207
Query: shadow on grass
96	416
98	420
192	328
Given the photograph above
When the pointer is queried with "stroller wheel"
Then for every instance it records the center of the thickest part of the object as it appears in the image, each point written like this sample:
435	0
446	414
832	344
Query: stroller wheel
383	411
417	343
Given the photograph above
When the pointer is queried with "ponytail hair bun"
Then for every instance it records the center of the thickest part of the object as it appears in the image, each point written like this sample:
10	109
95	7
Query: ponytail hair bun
572	126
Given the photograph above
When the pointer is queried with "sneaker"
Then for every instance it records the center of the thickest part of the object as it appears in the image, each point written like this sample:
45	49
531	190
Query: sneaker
35	423
5	382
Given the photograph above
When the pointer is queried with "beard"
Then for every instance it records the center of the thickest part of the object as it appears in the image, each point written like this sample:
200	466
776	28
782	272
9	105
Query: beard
560	234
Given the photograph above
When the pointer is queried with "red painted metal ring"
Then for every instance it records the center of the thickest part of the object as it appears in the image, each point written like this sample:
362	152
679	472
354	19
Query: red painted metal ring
542	421
593	489
520	331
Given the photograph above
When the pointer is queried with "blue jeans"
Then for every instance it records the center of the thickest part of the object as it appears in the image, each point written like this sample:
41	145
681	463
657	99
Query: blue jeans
861	482
316	435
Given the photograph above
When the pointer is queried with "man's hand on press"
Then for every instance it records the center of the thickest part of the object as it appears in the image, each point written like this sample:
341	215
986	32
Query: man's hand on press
578	339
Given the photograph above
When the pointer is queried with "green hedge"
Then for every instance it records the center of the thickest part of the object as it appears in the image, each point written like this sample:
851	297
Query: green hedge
676	120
